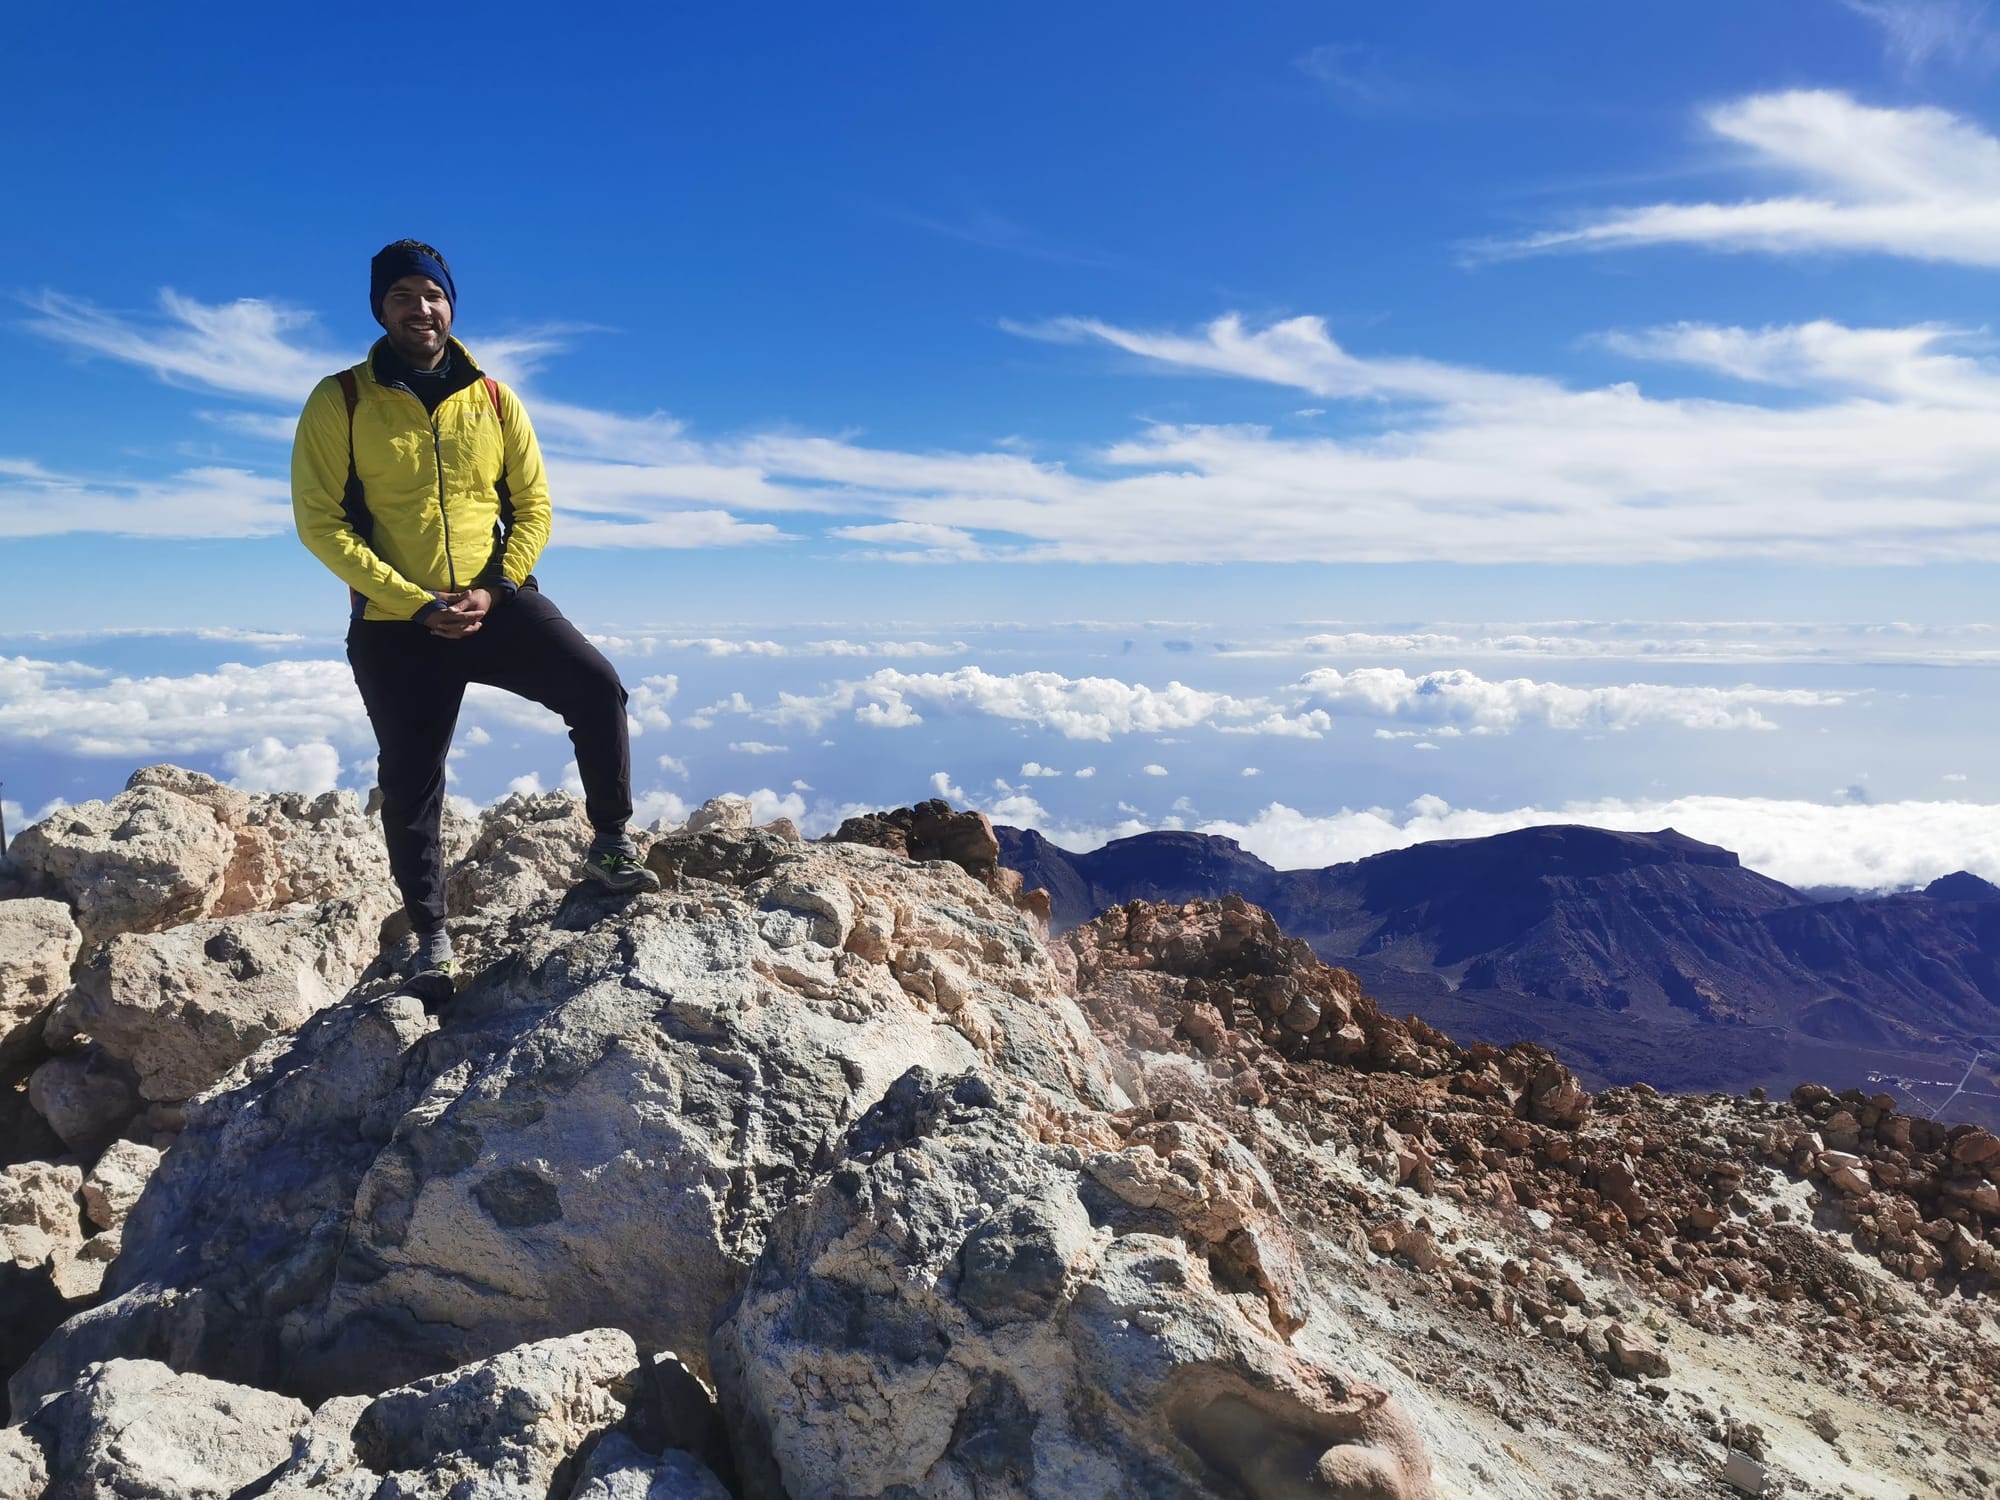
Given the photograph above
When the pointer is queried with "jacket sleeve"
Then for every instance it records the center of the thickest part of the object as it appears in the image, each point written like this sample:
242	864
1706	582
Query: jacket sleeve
319	484
528	485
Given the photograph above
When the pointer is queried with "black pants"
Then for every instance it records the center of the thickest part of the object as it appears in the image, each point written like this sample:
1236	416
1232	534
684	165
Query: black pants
412	682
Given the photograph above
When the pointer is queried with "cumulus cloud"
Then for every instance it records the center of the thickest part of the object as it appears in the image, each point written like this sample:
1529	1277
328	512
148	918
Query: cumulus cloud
1078	708
756	747
657	807
1036	768
1453	701
1461	698
85	711
1152	770
1086	773
1917	182
270	765
527	785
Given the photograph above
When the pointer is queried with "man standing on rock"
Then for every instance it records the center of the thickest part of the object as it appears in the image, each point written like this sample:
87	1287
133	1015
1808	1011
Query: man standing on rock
417	480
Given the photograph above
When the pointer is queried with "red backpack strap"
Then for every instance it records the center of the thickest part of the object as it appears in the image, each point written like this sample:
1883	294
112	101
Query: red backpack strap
493	395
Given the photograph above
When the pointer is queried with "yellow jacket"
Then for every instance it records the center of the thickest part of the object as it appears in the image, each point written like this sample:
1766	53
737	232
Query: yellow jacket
437	488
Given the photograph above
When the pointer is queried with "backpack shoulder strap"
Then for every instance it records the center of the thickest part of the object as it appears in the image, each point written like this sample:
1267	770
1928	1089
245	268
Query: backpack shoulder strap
353	500
493	395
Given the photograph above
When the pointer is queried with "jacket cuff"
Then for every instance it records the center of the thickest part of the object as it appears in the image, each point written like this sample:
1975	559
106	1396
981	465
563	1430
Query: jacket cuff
426	612
497	585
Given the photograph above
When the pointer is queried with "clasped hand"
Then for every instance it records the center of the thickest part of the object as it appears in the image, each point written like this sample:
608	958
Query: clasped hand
463	613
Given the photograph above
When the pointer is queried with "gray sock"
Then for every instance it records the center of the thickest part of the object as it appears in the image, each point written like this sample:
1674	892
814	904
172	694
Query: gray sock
433	949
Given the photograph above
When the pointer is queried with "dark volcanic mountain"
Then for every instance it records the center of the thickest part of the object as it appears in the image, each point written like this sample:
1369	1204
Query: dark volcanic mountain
1637	955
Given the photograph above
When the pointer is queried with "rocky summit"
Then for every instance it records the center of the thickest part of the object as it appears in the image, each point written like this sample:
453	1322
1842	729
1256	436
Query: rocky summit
826	1171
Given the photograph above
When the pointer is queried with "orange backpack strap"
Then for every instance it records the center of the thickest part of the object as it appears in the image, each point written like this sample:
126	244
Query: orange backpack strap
493	395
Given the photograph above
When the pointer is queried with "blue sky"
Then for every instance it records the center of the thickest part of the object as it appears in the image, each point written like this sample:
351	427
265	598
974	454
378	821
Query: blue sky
1329	425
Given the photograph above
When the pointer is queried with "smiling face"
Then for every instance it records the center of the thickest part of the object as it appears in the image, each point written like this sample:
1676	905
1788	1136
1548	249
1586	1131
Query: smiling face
416	315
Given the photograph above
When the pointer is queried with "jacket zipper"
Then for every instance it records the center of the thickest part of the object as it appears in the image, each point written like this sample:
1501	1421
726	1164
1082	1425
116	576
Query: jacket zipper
437	454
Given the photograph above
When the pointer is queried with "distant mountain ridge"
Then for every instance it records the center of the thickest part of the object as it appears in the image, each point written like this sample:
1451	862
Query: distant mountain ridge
1637	955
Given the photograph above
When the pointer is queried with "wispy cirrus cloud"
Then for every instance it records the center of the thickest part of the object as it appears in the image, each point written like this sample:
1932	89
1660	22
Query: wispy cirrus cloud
249	347
1917	182
1879	446
1916	33
199	502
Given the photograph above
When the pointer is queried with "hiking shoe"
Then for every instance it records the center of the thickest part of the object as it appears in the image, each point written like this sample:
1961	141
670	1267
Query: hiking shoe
616	867
433	955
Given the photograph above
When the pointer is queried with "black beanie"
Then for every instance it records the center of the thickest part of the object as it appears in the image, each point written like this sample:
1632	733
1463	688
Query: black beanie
407	258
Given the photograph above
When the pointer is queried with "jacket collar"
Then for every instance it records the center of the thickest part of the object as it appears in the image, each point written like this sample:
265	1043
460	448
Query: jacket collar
381	365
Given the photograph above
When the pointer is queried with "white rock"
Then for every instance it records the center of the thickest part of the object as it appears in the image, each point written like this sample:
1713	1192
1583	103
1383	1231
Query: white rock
38	944
177	845
24	1465
620	1470
723	814
183	1007
117	1180
133	1429
38	1211
502	1427
145	860
527	848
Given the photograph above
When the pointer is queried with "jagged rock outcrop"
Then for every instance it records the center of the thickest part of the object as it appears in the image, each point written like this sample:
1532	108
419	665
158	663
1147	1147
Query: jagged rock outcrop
951	1315
175	846
187	1005
602	1130
136	1430
530	1422
180	1008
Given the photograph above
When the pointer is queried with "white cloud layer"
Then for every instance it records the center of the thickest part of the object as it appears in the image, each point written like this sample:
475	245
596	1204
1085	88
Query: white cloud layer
1879	444
1456	700
1869	846
1917	182
272	715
